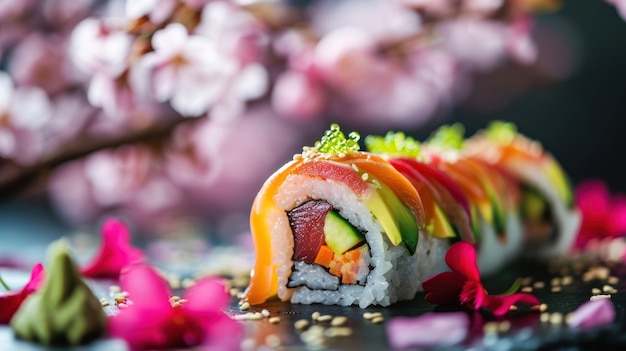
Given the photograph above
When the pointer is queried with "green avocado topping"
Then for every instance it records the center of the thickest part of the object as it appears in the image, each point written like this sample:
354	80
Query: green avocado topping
64	311
448	137
334	142
501	132
393	144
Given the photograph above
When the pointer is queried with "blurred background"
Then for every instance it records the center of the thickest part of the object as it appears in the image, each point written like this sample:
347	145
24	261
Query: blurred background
170	114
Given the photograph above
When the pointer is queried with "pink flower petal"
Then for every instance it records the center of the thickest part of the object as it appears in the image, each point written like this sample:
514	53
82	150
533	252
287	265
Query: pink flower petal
444	288
461	258
146	288
207	294
115	252
430	329
500	305
11	301
593	314
473	295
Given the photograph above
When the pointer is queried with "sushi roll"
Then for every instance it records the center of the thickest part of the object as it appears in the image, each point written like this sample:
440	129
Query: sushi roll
547	208
464	198
340	226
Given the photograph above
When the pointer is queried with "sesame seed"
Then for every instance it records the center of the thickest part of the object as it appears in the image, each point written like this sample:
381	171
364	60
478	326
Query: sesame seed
539	308
567	280
274	320
240	317
119	299
365	176
104	302
539	285
338	321
355	167
596	291
526	280
597	297
556	318
527	289
545	317
272	340
244	306
315	315
613	280
324	318
556	289
609	289
513	308
555	281
265	313
371	315
378	320
255	316
337	331
174	299
301	324
115	289
234	292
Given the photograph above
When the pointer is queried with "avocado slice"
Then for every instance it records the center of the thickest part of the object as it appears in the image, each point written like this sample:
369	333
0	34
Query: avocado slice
339	234
397	221
440	226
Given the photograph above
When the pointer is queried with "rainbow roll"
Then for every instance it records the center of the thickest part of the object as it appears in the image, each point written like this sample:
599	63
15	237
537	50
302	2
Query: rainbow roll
547	208
464	198
340	226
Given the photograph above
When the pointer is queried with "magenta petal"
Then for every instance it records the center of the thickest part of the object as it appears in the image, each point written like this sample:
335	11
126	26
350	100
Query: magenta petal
115	252
208	294
11	301
443	288
461	258
37	276
473	295
146	288
593	314
430	329
501	305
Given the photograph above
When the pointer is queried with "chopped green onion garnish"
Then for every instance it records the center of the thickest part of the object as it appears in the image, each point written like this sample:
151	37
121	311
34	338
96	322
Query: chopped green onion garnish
334	142
448	137
501	132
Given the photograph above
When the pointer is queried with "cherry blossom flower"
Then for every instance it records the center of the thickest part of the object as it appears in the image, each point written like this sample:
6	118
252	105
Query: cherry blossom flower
151	322
603	214
462	285
158	11
592	314
429	329
10	301
115	252
187	70
24	113
100	45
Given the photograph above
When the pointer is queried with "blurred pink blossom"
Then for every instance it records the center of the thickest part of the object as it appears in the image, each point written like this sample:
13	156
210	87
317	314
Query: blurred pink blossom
593	314
100	46
158	11
40	60
620	5
187	70
13	9
603	213
429	329
24	111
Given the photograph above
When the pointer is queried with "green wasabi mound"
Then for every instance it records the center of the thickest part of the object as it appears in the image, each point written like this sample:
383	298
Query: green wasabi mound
64	311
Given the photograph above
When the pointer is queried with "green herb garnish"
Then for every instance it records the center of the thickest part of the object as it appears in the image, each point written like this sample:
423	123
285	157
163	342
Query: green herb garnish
393	144
4	285
448	137
501	132
334	142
